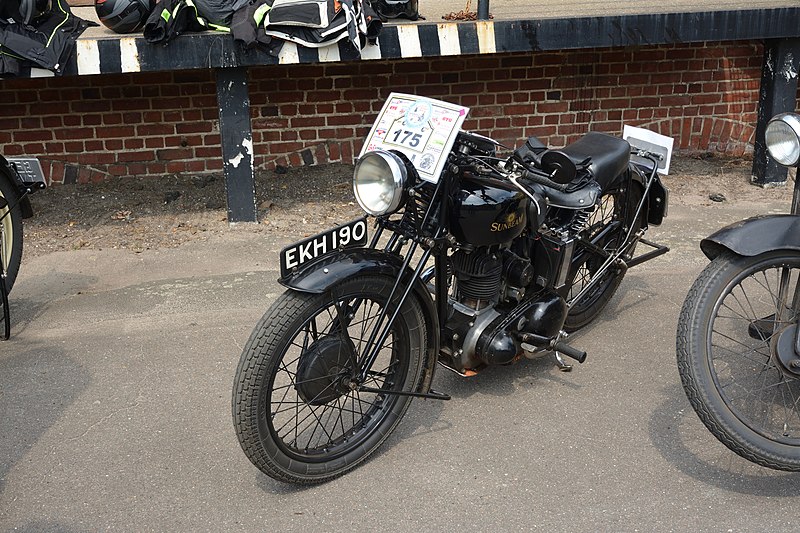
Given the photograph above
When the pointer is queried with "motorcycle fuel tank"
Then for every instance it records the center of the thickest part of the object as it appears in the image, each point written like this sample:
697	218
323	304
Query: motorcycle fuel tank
487	212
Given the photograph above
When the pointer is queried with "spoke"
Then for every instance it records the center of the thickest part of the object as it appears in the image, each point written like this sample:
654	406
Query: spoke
310	380
743	355
752	391
741	306
318	425
341	412
301	406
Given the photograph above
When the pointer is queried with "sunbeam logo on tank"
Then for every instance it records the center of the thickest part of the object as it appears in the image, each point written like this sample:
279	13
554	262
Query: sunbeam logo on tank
512	220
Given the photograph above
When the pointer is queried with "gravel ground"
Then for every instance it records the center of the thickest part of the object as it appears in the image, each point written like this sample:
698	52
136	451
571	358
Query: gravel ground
139	214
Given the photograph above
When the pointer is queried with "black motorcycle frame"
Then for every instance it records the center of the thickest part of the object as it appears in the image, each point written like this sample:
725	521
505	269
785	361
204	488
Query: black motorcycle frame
424	225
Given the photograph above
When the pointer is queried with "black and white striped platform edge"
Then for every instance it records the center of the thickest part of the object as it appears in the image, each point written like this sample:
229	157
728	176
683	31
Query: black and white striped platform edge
215	50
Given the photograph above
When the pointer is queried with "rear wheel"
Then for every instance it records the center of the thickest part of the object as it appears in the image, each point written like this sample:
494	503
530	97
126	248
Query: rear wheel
607	228
299	410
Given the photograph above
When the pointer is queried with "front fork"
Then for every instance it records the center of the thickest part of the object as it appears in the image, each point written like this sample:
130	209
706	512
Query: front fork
786	273
403	286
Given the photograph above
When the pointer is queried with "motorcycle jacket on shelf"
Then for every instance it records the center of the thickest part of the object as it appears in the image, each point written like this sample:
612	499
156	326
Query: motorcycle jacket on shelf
268	23
307	23
47	41
171	18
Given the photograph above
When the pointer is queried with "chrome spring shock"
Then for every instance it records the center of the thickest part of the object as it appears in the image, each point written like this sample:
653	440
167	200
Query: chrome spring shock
581	220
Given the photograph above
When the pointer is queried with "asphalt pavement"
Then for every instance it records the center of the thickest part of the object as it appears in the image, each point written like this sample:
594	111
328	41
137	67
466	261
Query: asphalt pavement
115	412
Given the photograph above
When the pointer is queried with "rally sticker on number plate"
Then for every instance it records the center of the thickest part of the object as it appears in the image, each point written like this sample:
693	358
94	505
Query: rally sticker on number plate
351	234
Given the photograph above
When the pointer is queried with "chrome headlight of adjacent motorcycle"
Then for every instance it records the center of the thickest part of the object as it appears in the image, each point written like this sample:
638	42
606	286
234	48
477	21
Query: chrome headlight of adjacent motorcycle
379	182
783	139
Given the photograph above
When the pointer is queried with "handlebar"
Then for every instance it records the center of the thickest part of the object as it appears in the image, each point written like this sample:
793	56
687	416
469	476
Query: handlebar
543	179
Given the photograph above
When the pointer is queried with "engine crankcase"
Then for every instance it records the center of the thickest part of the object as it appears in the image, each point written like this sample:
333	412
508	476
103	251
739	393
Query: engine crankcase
490	336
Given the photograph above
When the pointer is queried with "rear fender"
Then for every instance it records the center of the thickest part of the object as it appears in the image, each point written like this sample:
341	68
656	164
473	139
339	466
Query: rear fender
754	236
320	275
657	201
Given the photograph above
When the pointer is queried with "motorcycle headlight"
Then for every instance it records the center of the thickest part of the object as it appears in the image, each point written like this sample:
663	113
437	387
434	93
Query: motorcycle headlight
783	139
379	181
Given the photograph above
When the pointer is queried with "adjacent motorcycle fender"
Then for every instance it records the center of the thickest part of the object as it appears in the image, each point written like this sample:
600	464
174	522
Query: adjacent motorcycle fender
320	275
754	236
8	172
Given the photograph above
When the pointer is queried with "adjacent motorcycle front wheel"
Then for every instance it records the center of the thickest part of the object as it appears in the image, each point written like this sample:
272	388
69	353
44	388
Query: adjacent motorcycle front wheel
10	229
735	349
300	413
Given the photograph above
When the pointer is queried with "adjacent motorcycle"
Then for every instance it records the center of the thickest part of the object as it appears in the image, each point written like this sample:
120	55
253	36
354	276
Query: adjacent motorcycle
738	340
475	260
18	178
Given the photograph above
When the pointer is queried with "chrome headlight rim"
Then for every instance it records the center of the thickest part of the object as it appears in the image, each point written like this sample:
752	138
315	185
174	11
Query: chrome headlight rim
398	175
782	137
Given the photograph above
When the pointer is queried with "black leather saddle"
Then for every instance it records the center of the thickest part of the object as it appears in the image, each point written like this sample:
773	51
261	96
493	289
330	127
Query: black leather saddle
608	156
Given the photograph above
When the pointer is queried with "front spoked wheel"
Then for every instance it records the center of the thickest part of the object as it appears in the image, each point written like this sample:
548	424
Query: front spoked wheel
10	229
736	355
300	412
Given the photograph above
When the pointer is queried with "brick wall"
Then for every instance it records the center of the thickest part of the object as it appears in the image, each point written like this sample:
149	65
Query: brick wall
92	127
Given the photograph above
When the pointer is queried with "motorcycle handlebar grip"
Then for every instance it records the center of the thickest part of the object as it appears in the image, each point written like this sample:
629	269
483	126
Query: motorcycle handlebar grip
566	349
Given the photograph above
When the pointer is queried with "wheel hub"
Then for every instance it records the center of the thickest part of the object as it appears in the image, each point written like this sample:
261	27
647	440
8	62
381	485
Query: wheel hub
324	371
785	353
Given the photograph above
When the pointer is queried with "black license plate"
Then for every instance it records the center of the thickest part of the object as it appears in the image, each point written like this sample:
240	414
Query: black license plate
353	233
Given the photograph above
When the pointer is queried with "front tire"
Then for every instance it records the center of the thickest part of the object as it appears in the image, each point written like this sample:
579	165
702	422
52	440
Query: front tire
729	331
10	230
297	414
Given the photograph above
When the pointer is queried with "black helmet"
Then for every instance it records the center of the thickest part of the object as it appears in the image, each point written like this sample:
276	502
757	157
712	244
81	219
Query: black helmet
124	16
30	10
389	9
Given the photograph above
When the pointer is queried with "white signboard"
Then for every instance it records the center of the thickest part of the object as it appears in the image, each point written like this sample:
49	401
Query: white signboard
422	128
651	141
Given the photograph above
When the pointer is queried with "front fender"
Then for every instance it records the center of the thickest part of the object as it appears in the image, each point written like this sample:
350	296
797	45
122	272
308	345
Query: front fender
320	275
755	236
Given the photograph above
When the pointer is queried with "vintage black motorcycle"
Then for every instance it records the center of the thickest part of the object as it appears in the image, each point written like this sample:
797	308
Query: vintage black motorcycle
738	340
524	249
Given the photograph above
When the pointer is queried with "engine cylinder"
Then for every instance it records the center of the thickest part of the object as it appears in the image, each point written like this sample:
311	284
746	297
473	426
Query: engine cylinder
478	276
